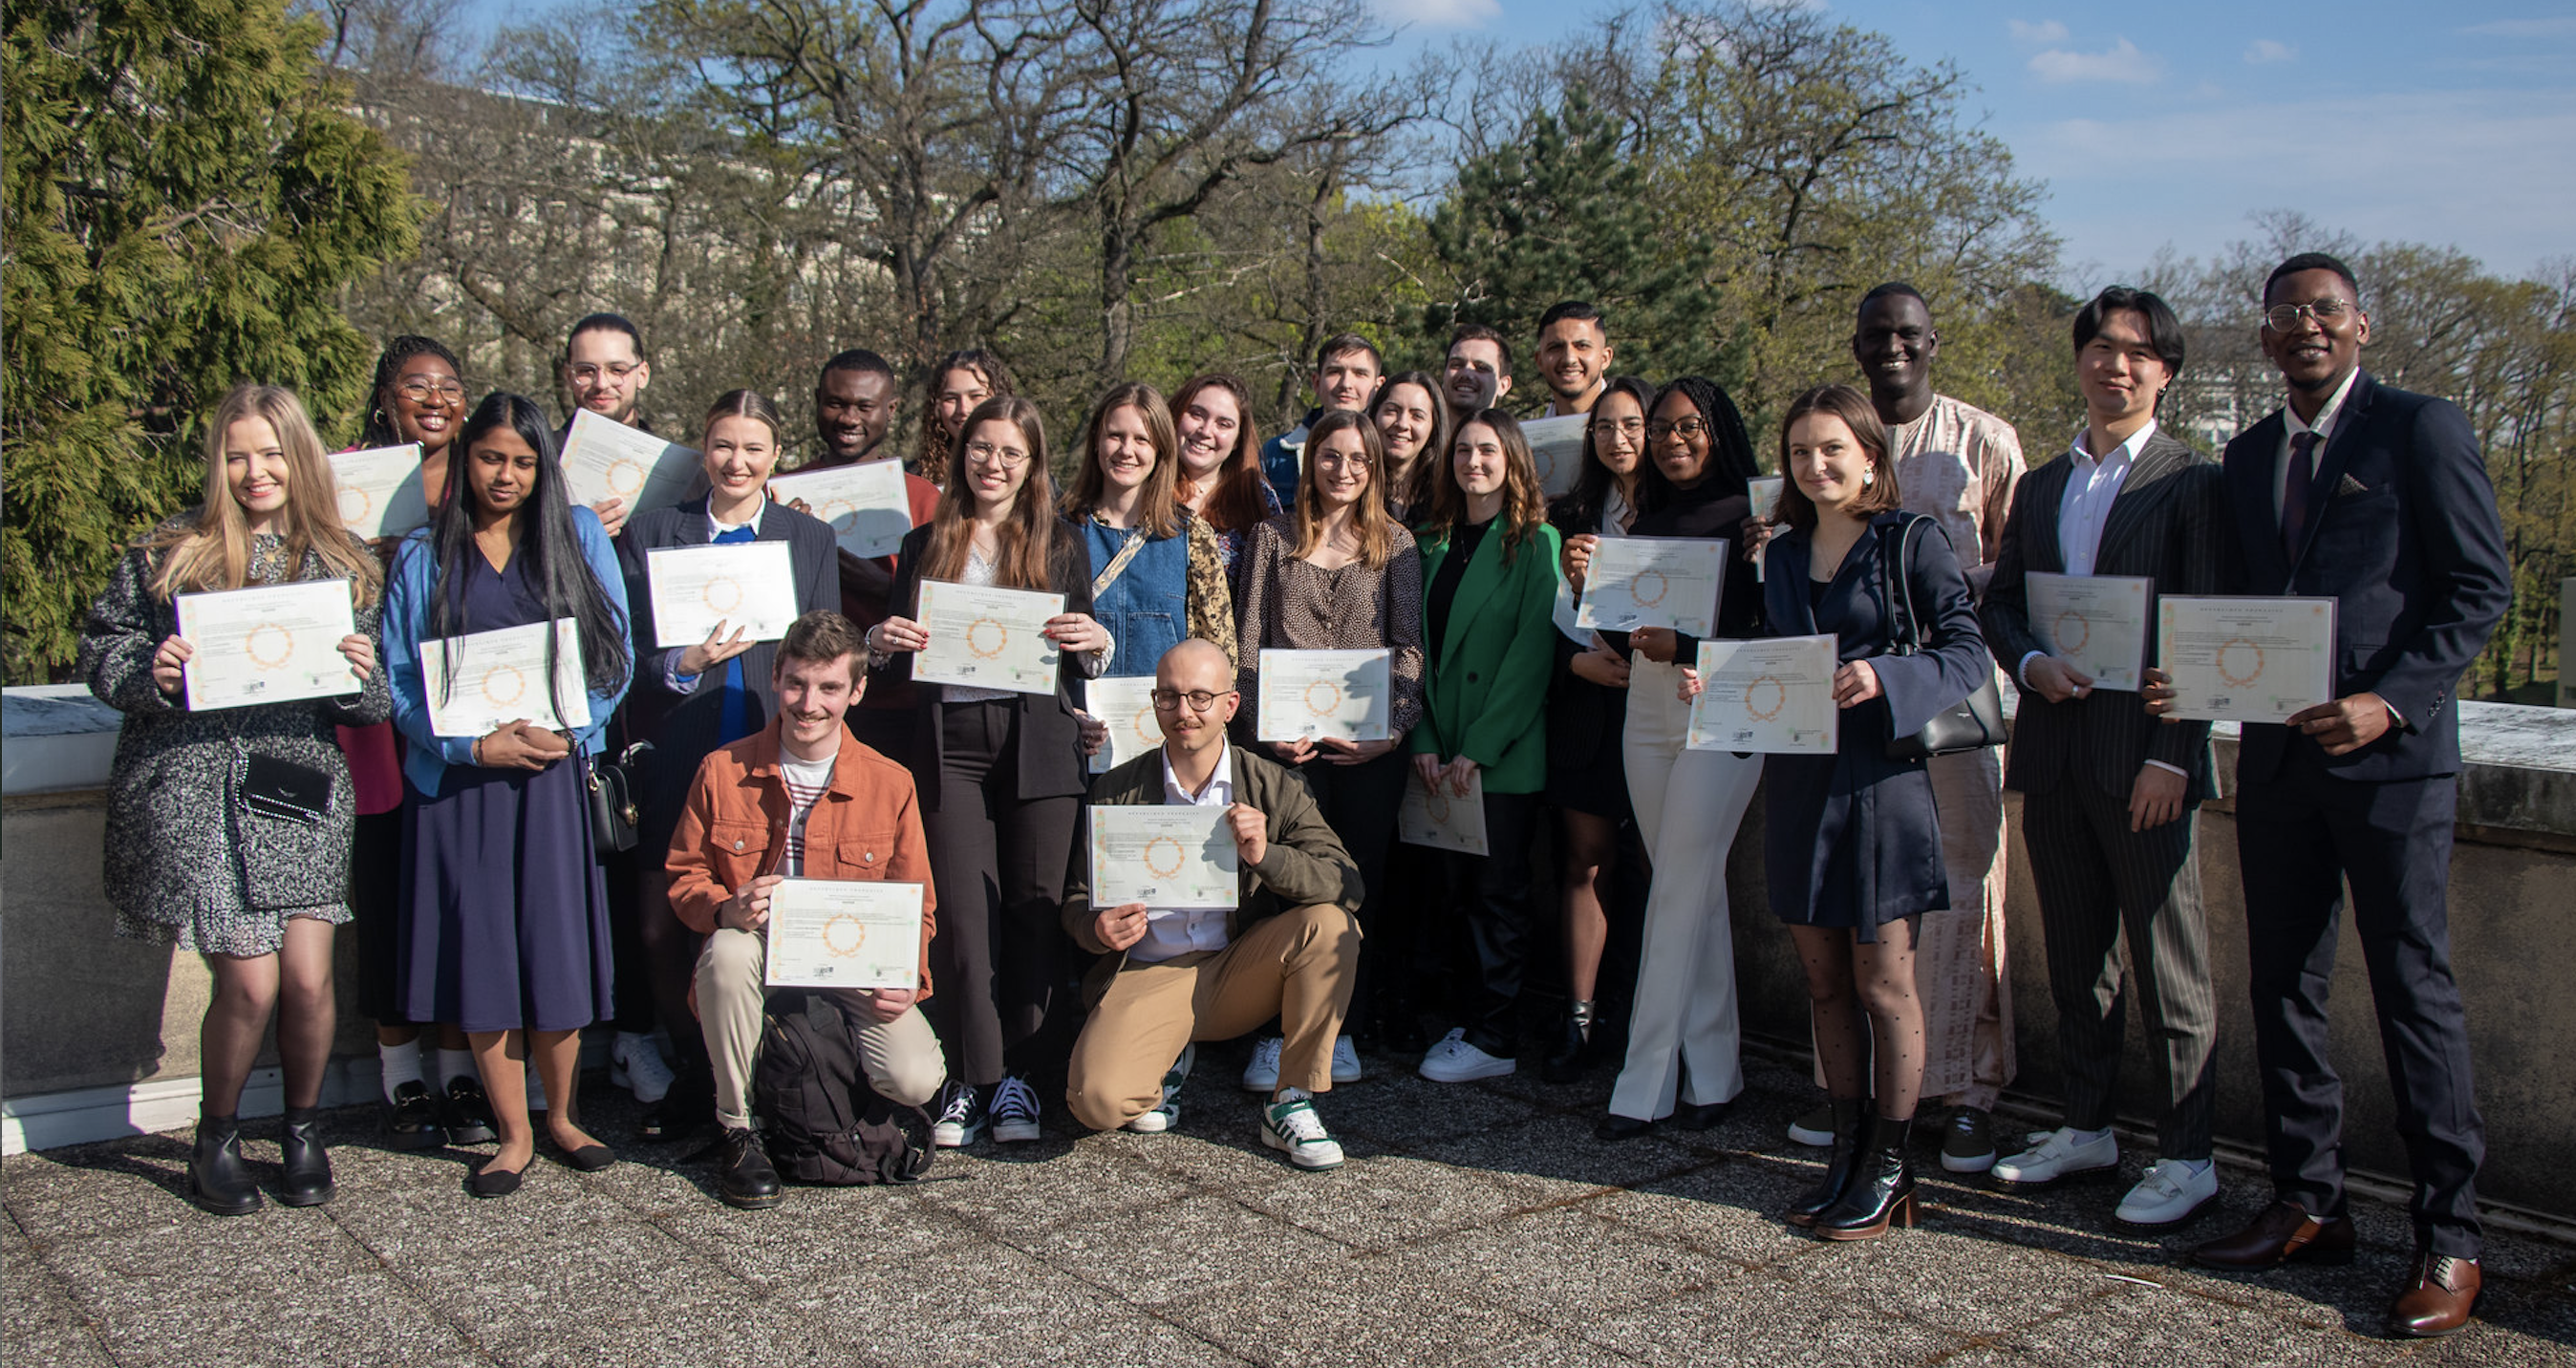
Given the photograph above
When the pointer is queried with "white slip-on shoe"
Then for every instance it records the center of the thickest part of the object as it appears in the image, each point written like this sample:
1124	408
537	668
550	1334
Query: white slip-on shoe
1453	1060
1291	1125
1262	1074
2059	1155
1346	1062
2173	1191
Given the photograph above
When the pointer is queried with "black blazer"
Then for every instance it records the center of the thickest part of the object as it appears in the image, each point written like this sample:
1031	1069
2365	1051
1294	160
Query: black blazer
684	727
1051	762
2167	524
2406	538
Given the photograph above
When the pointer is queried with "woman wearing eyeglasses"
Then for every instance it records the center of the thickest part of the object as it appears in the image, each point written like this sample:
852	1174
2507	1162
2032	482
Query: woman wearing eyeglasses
1156	576
1000	774
1683	1047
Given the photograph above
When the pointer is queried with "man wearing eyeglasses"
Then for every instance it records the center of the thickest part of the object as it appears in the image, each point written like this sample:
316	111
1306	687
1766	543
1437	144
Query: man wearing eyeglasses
604	371
1168	978
2379	499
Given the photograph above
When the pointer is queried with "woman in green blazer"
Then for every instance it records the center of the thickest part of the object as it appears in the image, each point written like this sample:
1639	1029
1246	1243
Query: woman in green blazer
1489	574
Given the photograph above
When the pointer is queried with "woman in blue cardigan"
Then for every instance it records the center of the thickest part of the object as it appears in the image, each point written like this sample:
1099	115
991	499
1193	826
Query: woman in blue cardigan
1489	576
505	914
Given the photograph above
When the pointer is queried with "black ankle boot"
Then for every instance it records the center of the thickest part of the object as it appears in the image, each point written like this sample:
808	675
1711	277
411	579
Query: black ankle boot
218	1181
1882	1186
307	1179
1850	1114
1573	1048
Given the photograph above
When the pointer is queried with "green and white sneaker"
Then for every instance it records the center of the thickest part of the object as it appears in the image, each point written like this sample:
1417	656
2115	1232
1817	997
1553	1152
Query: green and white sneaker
1167	1115
1291	1125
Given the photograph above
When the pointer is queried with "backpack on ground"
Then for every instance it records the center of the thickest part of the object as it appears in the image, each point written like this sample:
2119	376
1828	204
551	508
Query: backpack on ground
825	1124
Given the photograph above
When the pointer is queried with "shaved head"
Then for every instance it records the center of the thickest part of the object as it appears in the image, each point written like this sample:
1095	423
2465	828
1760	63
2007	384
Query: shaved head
1197	663
1196	666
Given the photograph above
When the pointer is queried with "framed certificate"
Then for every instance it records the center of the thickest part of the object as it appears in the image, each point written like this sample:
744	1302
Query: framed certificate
748	587
1441	819
1774	696
1556	446
2247	659
605	459
275	643
1311	694
864	504
1163	857
1653	582
990	638
380	490
2099	622
499	677
844	933
1126	706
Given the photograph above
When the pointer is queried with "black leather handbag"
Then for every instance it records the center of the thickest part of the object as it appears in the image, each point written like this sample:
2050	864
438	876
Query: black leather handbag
1972	723
615	818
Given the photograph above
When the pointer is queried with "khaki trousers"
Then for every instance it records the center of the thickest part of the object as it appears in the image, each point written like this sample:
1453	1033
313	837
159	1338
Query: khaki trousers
1297	966
900	1057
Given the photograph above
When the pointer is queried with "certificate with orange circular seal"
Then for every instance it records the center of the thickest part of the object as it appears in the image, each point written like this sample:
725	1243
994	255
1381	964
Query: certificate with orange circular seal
1307	695
2246	659
1441	819
482	681
1166	856
1125	705
379	490
987	638
605	459
2096	622
1556	449
747	587
1774	696
844	933
864	503
1638	582
272	643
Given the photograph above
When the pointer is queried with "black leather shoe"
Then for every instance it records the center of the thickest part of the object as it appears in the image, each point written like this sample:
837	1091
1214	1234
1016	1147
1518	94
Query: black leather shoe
468	1113
689	1105
748	1180
411	1121
1700	1116
1881	1191
1614	1128
218	1180
2279	1234
307	1177
1850	1113
1573	1047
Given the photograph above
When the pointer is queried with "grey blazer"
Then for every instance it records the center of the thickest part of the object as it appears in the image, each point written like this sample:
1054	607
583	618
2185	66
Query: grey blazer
2169	523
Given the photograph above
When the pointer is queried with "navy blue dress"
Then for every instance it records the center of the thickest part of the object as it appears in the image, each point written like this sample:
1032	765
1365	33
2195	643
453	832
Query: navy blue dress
506	912
1850	839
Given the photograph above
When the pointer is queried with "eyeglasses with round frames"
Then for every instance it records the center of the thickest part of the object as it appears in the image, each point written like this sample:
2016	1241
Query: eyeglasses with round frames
2328	312
1009	458
421	391
1686	429
1200	700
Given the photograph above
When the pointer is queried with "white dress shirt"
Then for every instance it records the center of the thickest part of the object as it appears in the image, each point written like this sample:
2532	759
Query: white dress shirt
2092	485
1171	932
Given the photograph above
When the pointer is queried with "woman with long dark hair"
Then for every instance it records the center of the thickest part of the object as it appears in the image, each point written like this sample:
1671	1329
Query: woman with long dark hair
959	384
1413	425
505	913
1157	578
1220	475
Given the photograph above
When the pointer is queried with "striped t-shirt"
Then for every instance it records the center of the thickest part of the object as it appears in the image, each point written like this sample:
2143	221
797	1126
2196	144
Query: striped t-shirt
807	782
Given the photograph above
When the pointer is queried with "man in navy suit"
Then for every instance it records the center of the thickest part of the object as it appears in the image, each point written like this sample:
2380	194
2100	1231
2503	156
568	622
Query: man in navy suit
2379	499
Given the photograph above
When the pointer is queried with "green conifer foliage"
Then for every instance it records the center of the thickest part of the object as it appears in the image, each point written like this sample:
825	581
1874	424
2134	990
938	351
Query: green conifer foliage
184	198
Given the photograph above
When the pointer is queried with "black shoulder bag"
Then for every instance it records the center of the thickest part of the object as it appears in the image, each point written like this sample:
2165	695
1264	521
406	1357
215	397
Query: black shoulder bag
1972	723
615	819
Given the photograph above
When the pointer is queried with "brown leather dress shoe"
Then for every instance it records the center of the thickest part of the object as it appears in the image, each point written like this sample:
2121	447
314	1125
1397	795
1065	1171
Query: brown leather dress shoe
2282	1234
2440	1293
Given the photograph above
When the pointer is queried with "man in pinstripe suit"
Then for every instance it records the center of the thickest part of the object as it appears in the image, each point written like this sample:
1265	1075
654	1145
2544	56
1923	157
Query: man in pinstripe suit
2110	793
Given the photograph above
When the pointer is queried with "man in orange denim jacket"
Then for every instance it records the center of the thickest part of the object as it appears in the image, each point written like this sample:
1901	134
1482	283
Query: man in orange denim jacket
800	799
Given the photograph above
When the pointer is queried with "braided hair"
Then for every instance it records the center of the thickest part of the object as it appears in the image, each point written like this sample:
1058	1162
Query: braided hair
1731	466
379	431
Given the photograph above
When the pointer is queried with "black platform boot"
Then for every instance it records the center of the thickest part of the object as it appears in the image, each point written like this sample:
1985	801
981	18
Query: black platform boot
218	1181
1573	1047
1882	1186
1850	1115
307	1179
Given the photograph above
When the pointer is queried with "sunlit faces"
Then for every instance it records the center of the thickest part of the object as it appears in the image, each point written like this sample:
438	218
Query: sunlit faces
1679	440
813	695
1184	676
1572	354
1405	422
852	410
1827	460
1126	447
1477	459
426	402
1346	381
1618	431
501	470
1475	376
997	462
1341	467
1894	344
2316	353
255	468
2119	370
959	390
1209	426
605	374
741	452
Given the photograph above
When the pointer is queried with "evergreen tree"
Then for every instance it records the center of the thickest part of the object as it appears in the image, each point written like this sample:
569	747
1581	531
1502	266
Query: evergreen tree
184	198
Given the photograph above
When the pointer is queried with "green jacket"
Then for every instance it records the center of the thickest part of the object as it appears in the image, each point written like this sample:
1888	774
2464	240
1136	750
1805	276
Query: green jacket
1486	691
1305	865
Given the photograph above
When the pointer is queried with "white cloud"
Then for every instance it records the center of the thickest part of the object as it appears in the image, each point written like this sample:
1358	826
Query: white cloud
1441	13
2045	31
2524	28
2122	62
2268	50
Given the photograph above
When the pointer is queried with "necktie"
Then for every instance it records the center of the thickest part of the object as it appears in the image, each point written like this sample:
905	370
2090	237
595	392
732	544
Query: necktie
2294	493
734	704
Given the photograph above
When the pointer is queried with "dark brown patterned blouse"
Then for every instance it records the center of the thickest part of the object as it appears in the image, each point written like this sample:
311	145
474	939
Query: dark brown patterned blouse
1290	605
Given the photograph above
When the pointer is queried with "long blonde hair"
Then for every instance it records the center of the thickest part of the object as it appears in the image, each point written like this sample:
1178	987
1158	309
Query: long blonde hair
1376	530
215	553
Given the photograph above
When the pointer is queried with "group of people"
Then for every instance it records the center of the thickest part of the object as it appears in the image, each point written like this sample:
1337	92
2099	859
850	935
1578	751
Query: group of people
1405	514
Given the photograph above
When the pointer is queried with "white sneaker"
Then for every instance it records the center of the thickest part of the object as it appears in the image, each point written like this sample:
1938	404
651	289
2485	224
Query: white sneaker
635	1063
2058	1155
962	1117
2173	1190
1015	1110
1346	1062
1262	1074
1453	1060
1167	1115
1291	1124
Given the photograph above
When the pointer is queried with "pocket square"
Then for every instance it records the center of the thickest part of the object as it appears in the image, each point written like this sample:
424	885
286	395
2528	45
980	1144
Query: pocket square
2349	485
